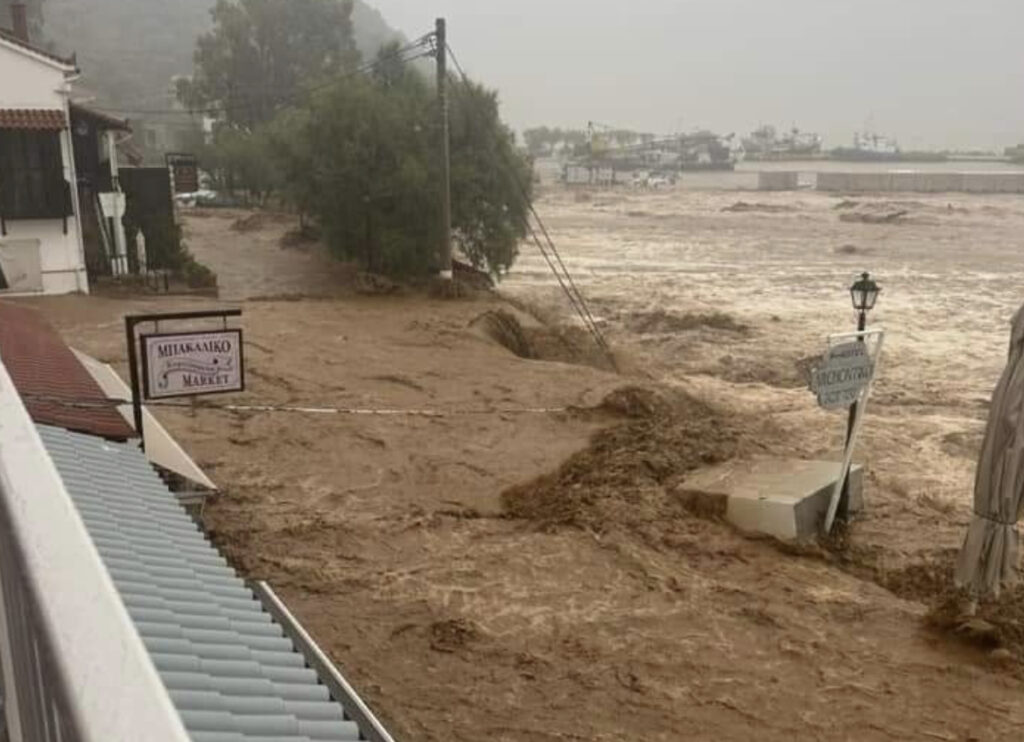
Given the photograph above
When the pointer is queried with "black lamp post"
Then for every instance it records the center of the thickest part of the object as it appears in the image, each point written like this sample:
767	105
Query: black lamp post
864	294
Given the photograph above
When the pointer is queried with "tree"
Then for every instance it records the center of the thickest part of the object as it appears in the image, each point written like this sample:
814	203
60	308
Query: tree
261	54
364	161
492	183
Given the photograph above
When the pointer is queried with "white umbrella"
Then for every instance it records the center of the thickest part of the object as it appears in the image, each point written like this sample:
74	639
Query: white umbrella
989	557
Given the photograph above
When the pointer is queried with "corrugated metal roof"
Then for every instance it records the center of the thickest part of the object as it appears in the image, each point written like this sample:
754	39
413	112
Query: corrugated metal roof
232	674
41	119
50	379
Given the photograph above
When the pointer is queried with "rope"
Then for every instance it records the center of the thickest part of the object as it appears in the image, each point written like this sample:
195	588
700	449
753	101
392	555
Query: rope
113	403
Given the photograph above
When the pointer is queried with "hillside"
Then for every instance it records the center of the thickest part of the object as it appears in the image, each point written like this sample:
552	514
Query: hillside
129	50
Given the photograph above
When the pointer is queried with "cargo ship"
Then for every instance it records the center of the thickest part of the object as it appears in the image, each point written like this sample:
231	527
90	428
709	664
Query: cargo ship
870	147
765	144
705	150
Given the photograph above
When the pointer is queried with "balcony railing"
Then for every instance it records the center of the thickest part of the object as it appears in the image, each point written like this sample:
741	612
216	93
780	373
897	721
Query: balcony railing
73	666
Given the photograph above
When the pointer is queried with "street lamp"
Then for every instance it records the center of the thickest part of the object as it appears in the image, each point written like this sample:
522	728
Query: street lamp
864	294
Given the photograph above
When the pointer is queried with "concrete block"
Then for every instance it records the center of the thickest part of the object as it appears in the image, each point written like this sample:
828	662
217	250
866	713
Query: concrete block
912	181
1009	182
872	182
783	498
977	183
942	182
830	182
855	182
906	181
778	181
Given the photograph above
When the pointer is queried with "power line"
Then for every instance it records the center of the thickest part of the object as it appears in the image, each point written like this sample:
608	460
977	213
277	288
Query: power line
550	253
255	98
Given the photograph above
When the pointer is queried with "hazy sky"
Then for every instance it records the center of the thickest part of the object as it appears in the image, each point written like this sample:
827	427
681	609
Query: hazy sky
932	73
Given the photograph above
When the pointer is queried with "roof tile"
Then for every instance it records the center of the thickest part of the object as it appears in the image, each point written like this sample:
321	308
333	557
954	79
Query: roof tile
56	388
47	119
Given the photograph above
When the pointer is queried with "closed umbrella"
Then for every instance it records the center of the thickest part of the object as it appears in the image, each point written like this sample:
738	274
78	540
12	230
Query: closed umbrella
988	559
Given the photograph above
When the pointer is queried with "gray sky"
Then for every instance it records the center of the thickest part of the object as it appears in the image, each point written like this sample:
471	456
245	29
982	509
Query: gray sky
932	73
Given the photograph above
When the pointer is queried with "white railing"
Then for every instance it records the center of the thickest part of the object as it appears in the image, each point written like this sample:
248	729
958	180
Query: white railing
73	665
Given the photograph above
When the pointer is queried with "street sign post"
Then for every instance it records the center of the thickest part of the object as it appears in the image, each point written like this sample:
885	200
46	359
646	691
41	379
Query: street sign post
842	381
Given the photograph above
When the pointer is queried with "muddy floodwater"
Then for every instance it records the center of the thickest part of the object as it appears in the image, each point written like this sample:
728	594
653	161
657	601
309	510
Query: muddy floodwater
736	291
503	556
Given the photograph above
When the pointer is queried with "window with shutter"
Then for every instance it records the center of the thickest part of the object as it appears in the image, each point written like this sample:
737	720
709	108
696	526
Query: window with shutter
32	184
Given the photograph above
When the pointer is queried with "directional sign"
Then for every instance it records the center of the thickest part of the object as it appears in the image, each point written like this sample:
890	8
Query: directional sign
846	371
843	378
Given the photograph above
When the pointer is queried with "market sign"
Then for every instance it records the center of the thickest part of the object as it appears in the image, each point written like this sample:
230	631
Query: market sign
846	371
192	363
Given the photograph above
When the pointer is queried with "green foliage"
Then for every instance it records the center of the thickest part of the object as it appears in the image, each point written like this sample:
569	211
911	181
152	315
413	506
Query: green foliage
365	162
360	162
261	53
257	60
492	182
195	274
166	250
363	157
239	161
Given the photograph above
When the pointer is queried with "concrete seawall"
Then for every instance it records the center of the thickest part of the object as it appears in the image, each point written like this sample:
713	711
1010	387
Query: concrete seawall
921	182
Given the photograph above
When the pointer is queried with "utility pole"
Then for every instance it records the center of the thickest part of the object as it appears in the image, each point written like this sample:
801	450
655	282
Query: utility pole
446	165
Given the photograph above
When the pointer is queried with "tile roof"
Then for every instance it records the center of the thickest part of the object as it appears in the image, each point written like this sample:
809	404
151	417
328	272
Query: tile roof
50	379
230	671
12	39
50	119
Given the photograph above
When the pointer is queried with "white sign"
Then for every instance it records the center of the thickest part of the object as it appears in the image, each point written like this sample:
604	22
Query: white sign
844	378
112	205
192	363
846	371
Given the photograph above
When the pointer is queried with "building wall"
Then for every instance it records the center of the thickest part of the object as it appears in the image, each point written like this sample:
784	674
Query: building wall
28	83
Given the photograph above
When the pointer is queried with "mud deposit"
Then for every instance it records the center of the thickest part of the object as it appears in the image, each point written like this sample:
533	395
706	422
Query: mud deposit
623	479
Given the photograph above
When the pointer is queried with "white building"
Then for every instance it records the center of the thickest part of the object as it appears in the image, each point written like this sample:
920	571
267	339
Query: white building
41	246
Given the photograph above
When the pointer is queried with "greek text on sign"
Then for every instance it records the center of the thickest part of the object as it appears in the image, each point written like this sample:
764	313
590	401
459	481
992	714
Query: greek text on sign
192	363
847	369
